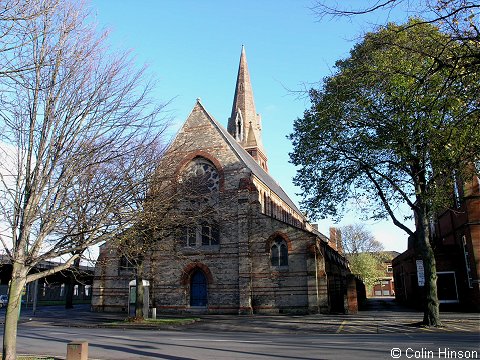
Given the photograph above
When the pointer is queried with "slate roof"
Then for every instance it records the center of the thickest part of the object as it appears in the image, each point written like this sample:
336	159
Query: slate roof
250	162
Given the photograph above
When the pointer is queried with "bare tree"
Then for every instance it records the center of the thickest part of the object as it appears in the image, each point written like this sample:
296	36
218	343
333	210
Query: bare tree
363	252
175	204
134	244
356	238
74	124
458	18
14	18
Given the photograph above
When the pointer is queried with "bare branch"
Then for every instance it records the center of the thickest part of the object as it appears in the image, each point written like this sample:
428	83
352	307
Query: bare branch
57	268
75	121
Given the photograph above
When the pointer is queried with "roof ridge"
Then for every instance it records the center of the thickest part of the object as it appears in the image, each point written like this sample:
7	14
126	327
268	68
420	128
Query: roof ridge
250	162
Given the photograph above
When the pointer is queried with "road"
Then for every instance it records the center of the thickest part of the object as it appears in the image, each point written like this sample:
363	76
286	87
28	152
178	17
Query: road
368	335
119	344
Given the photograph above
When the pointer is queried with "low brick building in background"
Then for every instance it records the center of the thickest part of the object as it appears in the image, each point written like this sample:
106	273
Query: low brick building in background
456	244
255	252
52	289
386	283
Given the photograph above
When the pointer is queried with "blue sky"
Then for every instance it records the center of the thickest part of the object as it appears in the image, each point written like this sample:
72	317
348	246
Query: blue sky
193	47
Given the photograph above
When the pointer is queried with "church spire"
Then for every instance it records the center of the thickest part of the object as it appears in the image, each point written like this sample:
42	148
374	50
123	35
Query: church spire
244	123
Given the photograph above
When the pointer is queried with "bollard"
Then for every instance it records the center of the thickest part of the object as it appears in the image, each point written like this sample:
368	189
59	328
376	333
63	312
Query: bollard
154	313
77	350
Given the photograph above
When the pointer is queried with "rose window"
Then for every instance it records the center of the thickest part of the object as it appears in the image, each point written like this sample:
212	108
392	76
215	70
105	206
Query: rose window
203	175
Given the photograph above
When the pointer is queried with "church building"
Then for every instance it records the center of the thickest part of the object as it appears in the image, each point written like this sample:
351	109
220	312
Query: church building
239	243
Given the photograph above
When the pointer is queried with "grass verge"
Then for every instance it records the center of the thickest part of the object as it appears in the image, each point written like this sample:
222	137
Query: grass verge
153	322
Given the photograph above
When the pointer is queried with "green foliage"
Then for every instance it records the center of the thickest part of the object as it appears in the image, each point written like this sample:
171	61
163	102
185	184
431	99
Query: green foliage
397	123
366	266
458	19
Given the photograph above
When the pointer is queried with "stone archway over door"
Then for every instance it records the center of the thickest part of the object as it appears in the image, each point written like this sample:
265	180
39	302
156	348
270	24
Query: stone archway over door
198	289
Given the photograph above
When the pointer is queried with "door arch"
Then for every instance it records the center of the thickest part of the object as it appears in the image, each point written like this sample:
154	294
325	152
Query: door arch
198	289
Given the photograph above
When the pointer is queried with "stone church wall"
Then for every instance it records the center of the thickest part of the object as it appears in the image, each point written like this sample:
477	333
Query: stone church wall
239	271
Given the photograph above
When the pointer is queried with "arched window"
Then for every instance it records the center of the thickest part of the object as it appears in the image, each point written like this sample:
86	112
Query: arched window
239	131
283	254
201	176
279	252
274	255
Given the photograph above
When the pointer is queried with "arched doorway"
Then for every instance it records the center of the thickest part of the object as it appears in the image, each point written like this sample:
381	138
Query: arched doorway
198	289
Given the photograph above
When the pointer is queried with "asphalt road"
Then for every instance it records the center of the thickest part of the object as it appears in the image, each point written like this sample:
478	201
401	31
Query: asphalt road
385	331
119	344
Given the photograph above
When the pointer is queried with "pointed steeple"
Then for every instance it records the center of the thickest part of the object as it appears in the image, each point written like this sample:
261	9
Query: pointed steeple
244	123
251	138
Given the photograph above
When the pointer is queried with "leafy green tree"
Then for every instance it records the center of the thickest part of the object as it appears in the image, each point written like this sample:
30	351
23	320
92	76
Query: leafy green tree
367	267
458	18
363	252
397	123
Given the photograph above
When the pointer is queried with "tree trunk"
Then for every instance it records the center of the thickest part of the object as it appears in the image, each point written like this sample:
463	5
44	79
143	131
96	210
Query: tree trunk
431	315
139	301
70	284
17	283
139	294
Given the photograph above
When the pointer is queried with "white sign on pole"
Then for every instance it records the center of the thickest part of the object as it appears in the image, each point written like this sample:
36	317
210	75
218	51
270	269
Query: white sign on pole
420	273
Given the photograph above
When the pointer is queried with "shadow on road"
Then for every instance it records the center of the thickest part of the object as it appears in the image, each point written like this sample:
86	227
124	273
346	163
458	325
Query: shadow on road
384	304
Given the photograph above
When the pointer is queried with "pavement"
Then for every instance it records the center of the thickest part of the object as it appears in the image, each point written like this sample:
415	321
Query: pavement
382	315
